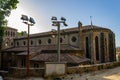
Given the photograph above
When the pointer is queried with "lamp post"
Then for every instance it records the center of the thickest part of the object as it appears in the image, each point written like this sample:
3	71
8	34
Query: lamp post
30	22
57	23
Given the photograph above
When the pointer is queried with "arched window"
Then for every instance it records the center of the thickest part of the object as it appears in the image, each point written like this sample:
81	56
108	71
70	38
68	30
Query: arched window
8	33
24	43
31	42
88	55
39	41
11	43
11	34
97	48
49	41
102	47
17	43
111	47
61	40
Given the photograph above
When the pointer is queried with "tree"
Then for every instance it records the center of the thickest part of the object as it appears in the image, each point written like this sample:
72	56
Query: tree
5	9
22	33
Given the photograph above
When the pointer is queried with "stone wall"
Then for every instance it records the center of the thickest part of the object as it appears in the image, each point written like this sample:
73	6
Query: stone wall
21	72
55	69
51	69
89	68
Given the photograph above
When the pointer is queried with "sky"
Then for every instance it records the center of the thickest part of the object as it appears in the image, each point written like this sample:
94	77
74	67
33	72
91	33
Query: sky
105	13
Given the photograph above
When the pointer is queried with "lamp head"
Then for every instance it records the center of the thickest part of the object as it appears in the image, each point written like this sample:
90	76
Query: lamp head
32	20
54	23
24	17
63	19
54	18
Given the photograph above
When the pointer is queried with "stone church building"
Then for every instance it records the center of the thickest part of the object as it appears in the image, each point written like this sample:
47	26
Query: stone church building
79	45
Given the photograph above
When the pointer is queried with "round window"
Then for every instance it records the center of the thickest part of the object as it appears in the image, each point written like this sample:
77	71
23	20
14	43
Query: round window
73	39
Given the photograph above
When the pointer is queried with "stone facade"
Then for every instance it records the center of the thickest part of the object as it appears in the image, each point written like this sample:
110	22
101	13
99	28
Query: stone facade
97	43
8	41
118	53
9	35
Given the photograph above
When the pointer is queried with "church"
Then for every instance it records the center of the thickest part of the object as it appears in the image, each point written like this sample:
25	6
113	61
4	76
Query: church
87	44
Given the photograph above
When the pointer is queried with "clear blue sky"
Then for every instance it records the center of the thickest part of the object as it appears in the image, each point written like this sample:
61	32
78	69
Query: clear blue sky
105	13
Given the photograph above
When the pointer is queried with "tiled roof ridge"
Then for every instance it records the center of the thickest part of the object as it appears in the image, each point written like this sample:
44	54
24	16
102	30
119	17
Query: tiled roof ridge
73	29
10	27
40	47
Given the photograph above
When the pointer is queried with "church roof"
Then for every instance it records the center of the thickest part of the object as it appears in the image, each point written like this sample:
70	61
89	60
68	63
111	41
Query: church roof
64	31
47	53
64	57
10	28
40	48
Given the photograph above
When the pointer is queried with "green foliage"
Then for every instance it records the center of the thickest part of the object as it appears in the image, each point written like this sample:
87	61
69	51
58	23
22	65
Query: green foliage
22	33
5	9
1	34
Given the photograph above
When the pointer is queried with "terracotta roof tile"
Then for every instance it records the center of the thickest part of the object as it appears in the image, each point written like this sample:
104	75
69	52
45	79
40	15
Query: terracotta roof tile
24	53
64	57
39	48
68	30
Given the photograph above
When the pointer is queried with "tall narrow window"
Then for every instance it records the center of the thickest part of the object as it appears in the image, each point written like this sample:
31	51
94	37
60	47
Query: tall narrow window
87	48
23	62
13	34
39	41
11	43
102	47
17	43
24	43
111	48
31	42
97	48
49	41
61	40
8	33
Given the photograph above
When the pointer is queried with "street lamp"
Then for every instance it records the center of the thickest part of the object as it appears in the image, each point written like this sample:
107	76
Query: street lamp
30	22
57	23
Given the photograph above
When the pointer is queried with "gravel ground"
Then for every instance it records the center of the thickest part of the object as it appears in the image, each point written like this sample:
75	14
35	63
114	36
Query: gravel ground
107	74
